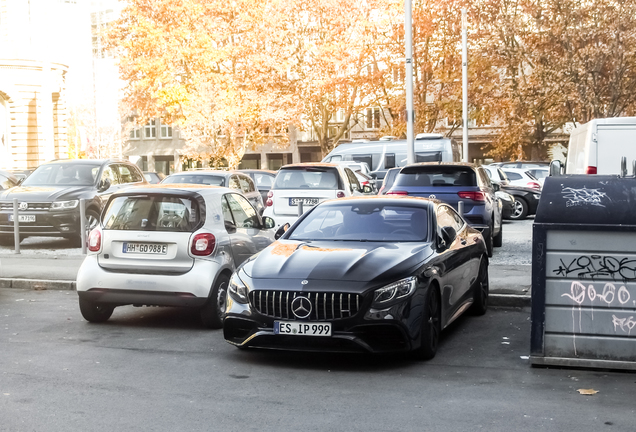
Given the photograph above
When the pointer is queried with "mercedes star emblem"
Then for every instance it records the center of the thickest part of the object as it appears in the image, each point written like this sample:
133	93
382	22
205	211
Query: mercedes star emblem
23	206
301	307
432	196
305	282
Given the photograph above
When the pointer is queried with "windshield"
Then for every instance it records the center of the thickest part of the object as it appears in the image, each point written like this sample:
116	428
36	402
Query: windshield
203	179
151	213
437	176
308	178
63	174
363	222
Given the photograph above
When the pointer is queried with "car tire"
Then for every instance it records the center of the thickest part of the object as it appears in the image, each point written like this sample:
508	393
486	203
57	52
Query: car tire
95	312
481	290
431	326
214	310
520	210
497	241
92	220
7	241
489	240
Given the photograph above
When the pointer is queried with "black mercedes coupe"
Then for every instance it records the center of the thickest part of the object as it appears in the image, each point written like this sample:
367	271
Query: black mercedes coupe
361	274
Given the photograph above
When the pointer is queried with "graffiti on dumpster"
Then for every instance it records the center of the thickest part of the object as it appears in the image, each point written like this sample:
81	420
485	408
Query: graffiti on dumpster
583	197
597	266
610	295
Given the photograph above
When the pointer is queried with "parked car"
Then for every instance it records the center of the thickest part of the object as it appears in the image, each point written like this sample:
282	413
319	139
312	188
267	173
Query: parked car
21	175
165	246
498	177
232	179
374	274
540	174
8	180
389	179
522	164
49	198
309	183
154	177
525	201
521	177
454	182
354	166
264	179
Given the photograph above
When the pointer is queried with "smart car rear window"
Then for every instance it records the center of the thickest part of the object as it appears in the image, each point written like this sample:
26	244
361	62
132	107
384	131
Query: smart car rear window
152	213
308	178
441	176
203	179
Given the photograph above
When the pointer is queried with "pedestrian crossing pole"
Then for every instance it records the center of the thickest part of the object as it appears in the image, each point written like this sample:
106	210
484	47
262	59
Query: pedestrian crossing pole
408	40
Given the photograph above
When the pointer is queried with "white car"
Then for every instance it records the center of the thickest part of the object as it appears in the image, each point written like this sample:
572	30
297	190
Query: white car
521	177
309	184
540	174
169	245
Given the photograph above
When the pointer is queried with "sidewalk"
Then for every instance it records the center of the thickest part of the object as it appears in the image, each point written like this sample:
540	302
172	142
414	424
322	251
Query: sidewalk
509	284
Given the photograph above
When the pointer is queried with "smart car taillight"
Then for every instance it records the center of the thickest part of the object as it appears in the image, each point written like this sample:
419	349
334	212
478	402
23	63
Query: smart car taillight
270	201
270	194
95	240
340	194
203	244
591	170
472	195
533	185
396	192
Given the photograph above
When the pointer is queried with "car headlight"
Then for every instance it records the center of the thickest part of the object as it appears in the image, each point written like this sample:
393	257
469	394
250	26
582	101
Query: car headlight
385	296
64	205
237	289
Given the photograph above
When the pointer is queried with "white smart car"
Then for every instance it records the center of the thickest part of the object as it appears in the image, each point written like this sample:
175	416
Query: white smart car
169	245
309	184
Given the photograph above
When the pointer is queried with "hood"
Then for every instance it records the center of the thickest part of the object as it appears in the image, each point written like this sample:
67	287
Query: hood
44	193
337	260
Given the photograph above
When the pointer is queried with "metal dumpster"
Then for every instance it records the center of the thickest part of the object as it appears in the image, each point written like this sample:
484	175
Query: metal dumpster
584	273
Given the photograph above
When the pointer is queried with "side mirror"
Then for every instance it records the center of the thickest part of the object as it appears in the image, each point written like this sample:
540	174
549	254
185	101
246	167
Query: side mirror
282	230
448	235
104	185
268	222
496	187
555	168
367	189
230	227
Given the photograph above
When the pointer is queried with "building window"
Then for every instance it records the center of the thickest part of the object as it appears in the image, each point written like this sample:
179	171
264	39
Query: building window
373	118
150	129
166	131
135	133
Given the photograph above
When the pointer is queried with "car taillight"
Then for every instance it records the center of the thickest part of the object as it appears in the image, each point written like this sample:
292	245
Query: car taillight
270	201
534	185
591	170
203	244
270	194
340	194
472	195
397	192
95	241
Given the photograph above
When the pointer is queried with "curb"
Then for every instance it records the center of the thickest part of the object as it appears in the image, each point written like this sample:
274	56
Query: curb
37	284
509	300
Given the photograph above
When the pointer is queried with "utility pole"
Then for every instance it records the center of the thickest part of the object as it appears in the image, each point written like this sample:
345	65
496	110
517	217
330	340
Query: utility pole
408	40
464	87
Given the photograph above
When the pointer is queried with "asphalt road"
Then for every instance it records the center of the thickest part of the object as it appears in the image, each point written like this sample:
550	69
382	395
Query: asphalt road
155	369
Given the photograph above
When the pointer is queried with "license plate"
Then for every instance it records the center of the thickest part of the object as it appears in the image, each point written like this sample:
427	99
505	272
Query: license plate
145	248
305	201
302	328
23	218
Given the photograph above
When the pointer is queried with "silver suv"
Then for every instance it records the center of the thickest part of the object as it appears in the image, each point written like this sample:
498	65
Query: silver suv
163	246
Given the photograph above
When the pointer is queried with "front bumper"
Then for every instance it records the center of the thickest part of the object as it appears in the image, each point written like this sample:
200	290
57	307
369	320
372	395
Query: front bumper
395	329
119	288
47	223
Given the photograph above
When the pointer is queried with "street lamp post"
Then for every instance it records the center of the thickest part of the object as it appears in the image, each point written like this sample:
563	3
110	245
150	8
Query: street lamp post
408	40
464	87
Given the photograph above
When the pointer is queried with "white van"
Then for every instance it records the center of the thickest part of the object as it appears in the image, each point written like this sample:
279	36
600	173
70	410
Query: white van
597	147
386	154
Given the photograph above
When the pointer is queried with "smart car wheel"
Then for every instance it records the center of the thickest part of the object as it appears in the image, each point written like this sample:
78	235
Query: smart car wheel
95	312
431	326
481	290
214	310
521	209
497	241
488	237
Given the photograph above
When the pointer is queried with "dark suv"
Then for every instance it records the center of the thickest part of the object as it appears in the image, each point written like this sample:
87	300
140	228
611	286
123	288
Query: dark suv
454	182
49	198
